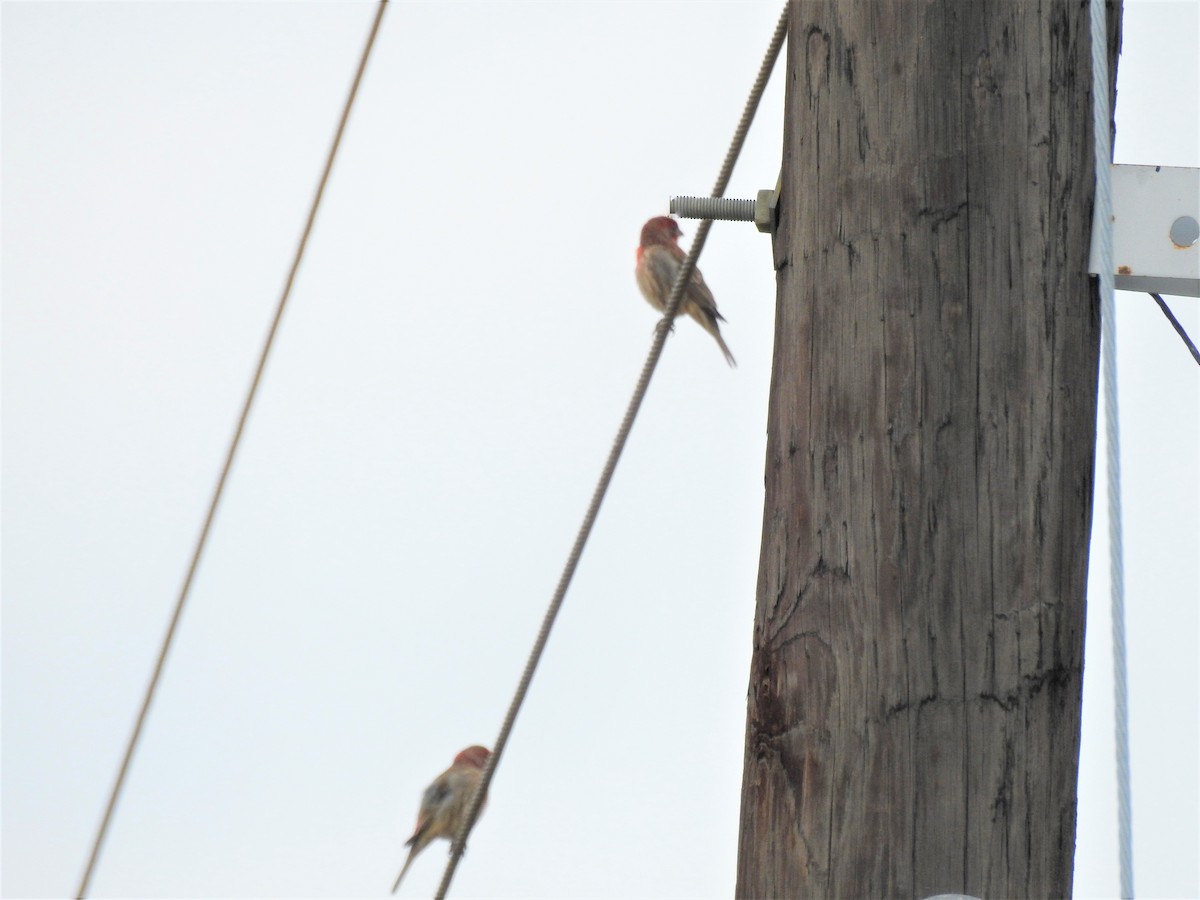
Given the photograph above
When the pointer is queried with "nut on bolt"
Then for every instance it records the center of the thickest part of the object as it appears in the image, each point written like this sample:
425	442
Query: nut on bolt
766	211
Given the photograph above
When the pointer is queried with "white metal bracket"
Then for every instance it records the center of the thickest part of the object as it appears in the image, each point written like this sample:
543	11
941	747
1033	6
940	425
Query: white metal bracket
1156	230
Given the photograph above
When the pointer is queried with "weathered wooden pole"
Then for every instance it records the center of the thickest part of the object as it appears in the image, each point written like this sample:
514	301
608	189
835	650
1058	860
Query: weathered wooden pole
914	702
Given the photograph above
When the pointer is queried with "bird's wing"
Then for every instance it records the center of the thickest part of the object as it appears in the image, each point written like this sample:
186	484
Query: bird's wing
432	801
699	294
658	270
436	794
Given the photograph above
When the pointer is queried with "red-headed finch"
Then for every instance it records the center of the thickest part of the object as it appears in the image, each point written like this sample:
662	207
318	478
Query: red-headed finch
659	257
444	803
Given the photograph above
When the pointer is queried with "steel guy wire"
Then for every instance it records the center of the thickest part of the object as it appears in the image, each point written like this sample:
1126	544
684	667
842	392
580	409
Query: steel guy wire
155	676
1178	327
610	465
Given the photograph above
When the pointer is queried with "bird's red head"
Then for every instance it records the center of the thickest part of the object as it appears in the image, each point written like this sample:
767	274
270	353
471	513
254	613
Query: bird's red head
473	756
660	230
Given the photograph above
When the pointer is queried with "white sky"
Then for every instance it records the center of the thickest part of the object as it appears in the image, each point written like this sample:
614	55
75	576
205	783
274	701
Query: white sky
456	357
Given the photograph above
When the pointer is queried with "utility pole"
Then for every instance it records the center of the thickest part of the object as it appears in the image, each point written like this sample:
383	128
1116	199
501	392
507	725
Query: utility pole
914	701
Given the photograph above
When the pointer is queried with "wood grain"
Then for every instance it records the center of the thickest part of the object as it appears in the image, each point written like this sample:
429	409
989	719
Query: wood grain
914	702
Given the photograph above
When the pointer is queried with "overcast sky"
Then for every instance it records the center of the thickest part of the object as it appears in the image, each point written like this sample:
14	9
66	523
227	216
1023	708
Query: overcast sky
458	351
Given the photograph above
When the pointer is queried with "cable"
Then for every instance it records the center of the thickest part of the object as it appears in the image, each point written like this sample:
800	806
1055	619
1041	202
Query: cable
102	832
1175	324
635	402
1102	146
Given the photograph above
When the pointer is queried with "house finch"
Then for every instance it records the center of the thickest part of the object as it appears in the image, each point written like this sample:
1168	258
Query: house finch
658	260
444	803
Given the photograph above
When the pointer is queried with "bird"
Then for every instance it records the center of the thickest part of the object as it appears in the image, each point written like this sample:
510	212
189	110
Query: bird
444	803
659	257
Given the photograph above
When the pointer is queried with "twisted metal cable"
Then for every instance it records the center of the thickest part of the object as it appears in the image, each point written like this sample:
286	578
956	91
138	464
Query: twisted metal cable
610	465
1102	146
1162	304
169	637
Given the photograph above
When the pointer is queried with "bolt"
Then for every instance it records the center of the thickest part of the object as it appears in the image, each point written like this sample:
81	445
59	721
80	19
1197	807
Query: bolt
724	208
760	211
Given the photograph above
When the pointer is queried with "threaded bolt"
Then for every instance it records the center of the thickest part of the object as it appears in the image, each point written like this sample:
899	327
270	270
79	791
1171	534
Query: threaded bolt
761	211
725	209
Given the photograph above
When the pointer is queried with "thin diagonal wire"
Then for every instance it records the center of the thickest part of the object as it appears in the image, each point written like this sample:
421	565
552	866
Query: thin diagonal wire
1102	145
102	832
1175	324
610	465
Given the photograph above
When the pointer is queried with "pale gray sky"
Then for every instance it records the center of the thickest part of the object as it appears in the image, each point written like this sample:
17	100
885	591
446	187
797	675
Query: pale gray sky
457	354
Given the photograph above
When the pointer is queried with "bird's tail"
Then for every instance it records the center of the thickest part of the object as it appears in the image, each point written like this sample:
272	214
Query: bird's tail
407	863
724	349
708	321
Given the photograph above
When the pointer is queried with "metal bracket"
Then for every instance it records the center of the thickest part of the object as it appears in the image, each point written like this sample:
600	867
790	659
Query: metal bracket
1156	230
